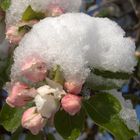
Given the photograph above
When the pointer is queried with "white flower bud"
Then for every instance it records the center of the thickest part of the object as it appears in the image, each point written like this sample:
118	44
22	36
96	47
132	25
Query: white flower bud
47	106
47	100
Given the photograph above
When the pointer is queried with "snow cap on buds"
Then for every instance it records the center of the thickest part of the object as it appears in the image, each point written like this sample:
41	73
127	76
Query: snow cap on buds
89	45
34	69
20	95
71	103
73	87
32	120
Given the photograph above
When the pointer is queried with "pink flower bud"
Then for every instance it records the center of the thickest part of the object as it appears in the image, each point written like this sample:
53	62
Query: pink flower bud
71	103
20	95
13	35
72	87
32	120
54	10
34	70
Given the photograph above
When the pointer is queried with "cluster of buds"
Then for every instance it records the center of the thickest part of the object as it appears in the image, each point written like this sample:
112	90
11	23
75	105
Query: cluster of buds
71	103
48	97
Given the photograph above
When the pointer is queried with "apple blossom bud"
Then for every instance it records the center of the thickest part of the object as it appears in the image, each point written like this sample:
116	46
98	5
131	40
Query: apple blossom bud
13	35
33	120
71	103
47	105
54	10
20	95
72	87
34	70
48	98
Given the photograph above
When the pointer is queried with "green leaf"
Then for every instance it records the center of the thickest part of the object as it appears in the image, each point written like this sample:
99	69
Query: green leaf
75	134
6	69
50	137
30	136
102	87
16	134
4	77
96	82
134	98
5	4
59	77
56	75
103	13
24	29
104	110
65	124
111	75
2	137
10	118
30	14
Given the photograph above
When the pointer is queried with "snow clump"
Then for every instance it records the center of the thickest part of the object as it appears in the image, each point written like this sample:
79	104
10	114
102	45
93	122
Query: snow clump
77	42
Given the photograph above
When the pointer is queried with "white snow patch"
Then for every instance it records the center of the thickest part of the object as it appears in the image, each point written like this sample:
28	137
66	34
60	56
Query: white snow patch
17	7
97	80
128	114
76	41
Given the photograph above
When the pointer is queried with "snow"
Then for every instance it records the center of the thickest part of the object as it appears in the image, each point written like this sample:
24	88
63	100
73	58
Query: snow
76	41
15	11
97	80
127	113
17	8
111	51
